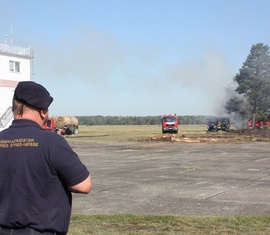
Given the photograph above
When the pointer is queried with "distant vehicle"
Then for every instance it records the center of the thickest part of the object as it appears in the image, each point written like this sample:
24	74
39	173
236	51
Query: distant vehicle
169	123
63	125
259	124
218	123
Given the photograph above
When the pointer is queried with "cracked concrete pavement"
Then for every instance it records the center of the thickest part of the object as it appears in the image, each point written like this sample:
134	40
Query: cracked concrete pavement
191	179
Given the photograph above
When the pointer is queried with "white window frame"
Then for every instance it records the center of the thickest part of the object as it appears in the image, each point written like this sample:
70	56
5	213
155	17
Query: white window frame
14	66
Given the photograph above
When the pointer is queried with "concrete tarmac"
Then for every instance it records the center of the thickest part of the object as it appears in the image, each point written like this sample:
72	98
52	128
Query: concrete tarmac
163	178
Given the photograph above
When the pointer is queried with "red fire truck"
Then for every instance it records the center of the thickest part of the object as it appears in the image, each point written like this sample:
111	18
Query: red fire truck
169	123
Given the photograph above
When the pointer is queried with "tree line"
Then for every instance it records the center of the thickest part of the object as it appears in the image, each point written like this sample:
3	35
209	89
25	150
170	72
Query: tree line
136	120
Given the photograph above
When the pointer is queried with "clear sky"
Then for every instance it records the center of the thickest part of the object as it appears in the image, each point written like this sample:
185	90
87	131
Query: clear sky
136	57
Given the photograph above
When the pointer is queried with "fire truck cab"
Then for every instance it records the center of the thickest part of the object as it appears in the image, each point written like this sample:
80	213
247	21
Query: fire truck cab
169	123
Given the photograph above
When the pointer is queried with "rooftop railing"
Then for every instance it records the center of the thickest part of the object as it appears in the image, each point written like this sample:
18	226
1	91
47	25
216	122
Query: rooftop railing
10	49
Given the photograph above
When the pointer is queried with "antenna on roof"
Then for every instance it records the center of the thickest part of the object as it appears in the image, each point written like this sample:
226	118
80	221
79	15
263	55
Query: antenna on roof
11	34
6	39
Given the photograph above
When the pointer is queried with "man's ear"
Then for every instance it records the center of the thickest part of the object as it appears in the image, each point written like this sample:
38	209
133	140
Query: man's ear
43	113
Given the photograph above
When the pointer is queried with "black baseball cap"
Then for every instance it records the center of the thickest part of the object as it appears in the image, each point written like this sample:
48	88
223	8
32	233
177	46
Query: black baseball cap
33	94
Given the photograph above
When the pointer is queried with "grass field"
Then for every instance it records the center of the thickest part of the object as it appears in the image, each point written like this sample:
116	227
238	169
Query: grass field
145	133
114	133
152	224
134	133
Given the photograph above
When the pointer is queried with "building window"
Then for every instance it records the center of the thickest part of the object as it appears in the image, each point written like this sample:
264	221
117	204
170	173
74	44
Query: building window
14	66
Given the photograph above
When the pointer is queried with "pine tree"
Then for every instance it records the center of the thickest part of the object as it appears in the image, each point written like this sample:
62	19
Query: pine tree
254	79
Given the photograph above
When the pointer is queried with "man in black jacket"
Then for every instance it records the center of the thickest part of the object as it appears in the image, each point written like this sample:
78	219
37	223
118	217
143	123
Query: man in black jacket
38	169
